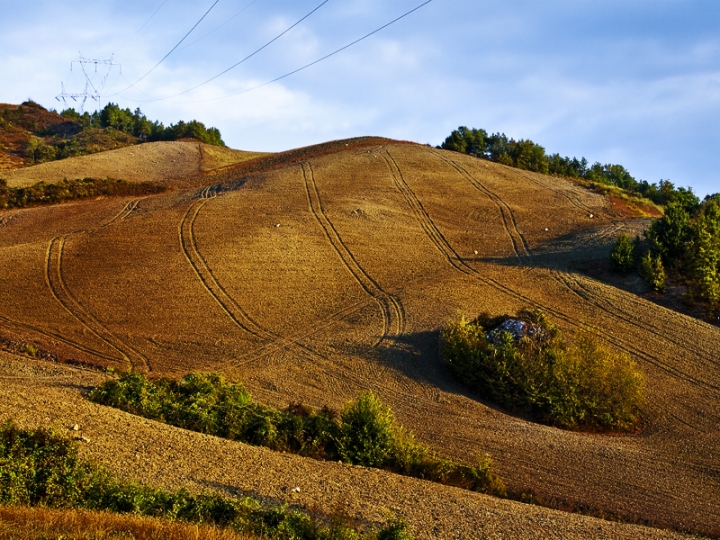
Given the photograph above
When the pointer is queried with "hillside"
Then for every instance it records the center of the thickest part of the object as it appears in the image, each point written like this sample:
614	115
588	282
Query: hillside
25	127
317	273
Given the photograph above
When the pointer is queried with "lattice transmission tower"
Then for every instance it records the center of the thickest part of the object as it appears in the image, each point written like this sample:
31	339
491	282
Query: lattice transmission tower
94	85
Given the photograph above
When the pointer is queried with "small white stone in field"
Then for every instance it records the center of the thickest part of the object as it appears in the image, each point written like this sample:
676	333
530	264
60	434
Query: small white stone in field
277	224
295	490
75	427
591	216
546	229
476	252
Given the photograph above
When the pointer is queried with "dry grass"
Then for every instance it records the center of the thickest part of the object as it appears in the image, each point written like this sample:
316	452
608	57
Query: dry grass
19	523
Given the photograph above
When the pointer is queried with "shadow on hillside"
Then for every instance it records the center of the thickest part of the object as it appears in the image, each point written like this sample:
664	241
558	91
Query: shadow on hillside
418	357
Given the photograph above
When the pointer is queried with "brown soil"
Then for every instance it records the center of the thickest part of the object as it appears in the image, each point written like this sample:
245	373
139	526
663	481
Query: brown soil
40	393
332	273
176	163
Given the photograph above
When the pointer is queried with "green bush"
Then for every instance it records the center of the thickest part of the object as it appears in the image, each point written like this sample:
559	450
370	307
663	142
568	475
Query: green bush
652	270
623	255
366	433
41	468
582	386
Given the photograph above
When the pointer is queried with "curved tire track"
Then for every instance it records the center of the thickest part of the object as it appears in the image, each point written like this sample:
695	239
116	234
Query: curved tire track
437	238
63	295
519	242
392	310
188	243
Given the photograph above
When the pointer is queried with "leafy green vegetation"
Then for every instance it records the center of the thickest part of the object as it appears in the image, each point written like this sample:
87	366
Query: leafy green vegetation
137	124
40	468
683	246
580	386
527	155
364	433
71	190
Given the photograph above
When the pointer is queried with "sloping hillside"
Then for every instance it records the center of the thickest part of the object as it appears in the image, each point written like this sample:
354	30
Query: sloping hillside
29	133
322	273
174	163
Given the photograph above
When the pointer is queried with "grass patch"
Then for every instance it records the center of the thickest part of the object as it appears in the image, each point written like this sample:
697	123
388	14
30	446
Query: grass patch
23	523
364	433
72	190
41	469
584	385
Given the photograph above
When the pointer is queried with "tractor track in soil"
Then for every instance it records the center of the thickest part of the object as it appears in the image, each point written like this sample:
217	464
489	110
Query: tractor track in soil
273	343
519	242
392	310
62	294
441	243
128	209
574	283
56	337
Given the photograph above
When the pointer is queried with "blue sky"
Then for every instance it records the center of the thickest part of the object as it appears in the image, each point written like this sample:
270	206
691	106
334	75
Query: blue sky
632	82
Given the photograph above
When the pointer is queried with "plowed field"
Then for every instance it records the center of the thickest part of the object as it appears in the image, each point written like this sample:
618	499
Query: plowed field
332	273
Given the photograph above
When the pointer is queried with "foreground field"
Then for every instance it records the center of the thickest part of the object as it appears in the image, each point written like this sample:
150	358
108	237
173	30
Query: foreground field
160	455
41	523
332	274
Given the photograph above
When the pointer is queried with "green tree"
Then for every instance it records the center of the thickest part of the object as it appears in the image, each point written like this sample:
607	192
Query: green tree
623	255
704	254
466	141
652	271
368	432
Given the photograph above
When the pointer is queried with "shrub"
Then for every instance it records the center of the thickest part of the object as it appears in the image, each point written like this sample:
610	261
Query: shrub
652	270
40	468
70	190
366	433
583	386
623	255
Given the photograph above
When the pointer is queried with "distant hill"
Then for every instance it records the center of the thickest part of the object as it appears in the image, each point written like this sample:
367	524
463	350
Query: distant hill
31	134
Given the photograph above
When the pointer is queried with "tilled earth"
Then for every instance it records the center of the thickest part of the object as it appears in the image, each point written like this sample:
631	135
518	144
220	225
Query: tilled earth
41	394
331	274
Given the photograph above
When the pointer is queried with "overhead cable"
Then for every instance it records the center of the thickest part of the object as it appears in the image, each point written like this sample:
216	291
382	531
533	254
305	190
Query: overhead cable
143	26
171	50
318	60
217	27
248	57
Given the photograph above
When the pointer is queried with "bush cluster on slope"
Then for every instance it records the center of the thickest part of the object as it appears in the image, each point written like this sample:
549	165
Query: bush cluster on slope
364	433
578	386
71	190
40	468
683	245
530	156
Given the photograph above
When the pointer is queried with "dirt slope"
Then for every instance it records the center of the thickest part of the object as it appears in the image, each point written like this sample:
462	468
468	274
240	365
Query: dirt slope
333	273
161	455
166	162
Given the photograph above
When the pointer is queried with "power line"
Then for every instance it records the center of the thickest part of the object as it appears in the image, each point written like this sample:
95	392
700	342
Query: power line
171	50
248	57
306	66
143	26
217	27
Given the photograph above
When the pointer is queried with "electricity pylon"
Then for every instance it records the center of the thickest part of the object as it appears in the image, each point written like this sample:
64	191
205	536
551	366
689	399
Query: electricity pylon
92	90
